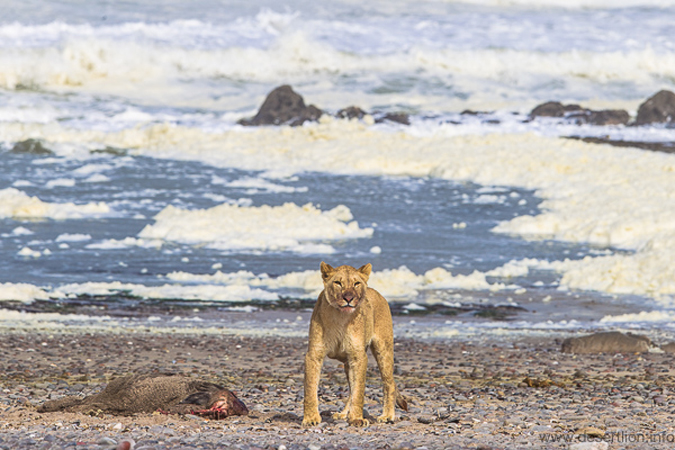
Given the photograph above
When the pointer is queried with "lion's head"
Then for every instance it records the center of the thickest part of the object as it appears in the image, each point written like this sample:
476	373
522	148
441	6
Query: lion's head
345	287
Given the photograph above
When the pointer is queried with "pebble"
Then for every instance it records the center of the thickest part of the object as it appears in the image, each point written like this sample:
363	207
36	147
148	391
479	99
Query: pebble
489	411
589	446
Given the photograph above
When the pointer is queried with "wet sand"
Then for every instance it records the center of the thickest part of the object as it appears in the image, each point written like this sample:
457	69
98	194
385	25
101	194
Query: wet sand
489	394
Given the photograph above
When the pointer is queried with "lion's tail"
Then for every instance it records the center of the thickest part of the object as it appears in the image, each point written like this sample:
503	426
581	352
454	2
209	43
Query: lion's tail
401	401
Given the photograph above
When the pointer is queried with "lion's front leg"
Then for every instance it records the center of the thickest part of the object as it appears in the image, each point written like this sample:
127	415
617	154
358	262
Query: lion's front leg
345	412
313	363
384	355
357	385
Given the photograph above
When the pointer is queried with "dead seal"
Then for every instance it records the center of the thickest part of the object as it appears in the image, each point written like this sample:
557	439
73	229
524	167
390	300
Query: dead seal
169	394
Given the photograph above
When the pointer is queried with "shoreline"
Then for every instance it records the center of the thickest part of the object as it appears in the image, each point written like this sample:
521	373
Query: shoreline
488	394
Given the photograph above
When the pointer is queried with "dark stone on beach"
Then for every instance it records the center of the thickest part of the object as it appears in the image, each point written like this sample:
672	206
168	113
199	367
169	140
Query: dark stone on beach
136	394
581	115
501	312
469	112
666	147
554	109
114	151
351	112
608	117
607	342
283	106
659	108
669	347
402	118
31	147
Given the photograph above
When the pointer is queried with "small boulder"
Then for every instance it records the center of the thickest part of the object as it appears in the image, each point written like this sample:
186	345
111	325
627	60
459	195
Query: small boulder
31	147
402	118
581	115
607	342
283	106
351	112
608	117
659	108
669	347
554	109
602	117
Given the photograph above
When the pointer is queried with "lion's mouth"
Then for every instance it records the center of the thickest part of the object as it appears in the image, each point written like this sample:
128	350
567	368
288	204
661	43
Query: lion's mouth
347	308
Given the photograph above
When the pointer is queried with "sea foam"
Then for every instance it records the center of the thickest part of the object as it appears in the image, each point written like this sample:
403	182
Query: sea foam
233	227
606	196
18	205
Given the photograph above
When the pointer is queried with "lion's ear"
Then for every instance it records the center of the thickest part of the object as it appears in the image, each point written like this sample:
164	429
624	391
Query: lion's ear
327	271
365	270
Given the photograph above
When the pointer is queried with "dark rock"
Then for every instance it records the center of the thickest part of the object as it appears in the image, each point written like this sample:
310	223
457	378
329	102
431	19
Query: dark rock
351	112
554	109
402	118
666	147
426	419
114	151
581	115
608	117
283	106
659	108
468	112
669	348
602	117
31	147
500	312
607	342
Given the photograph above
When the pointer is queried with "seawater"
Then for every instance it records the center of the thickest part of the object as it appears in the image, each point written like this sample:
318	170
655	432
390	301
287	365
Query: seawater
140	107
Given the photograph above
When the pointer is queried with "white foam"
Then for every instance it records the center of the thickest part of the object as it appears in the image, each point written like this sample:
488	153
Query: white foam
395	284
73	237
22	320
258	185
19	231
288	227
91	169
21	292
97	178
17	205
29	253
60	182
607	196
641	317
208	292
118	244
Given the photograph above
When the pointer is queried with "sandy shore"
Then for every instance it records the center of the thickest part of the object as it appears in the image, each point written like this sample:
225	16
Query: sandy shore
523	394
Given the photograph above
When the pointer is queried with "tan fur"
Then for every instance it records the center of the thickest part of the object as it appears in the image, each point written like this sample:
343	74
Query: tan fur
348	318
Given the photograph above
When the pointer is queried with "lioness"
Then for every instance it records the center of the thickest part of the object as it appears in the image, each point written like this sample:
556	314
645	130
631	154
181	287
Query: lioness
348	318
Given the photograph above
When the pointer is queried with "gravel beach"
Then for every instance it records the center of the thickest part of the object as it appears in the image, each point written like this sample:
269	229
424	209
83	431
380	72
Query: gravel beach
463	394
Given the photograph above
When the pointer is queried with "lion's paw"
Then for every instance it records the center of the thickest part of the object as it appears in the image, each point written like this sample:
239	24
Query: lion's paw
359	423
311	421
386	419
340	416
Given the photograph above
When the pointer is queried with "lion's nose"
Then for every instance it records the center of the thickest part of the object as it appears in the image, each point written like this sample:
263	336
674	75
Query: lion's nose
348	296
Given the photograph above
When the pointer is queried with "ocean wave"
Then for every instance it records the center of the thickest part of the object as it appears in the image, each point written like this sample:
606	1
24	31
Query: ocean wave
149	71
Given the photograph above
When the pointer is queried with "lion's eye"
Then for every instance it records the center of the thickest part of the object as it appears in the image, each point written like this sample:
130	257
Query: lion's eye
357	284
337	283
